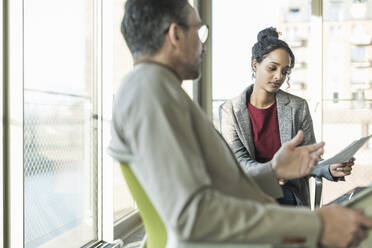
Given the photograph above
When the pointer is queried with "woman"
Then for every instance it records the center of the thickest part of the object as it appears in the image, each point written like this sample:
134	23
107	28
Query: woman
256	123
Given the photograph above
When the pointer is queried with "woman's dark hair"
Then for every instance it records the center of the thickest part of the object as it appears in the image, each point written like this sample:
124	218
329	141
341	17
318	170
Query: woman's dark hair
268	41
146	21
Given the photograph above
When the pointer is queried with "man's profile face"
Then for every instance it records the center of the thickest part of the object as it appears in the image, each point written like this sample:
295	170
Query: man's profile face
193	49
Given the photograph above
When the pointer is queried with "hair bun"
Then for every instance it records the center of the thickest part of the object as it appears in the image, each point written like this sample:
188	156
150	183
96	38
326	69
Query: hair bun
267	33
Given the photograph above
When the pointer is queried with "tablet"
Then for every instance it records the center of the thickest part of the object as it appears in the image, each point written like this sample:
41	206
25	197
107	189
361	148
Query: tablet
363	200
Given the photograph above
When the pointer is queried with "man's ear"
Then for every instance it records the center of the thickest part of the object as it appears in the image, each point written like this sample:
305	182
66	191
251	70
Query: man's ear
175	34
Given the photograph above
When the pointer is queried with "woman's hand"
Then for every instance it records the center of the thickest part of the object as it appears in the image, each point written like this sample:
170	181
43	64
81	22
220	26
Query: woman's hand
341	170
282	182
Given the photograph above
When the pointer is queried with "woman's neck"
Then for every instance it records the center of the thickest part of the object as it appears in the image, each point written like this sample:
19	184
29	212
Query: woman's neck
261	98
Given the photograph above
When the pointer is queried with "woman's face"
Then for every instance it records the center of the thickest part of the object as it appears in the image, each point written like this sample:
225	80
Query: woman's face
272	71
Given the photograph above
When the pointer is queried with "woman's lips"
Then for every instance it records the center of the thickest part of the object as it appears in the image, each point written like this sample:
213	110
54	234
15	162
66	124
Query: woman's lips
275	85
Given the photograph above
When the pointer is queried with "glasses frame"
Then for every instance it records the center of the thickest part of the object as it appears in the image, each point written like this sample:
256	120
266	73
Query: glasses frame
203	31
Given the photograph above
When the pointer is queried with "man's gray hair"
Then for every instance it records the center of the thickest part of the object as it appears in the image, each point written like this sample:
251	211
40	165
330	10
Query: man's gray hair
146	22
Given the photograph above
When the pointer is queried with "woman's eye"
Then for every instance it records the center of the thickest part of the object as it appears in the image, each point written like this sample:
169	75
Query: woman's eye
272	68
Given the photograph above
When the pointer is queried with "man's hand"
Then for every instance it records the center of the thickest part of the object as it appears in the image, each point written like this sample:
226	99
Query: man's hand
343	227
291	162
341	170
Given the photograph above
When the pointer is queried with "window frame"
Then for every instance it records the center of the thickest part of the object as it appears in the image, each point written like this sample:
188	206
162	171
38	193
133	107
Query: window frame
13	129
202	87
12	110
107	196
2	125
111	229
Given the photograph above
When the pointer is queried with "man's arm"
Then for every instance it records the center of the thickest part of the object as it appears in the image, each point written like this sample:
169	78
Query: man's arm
170	166
171	169
309	138
343	227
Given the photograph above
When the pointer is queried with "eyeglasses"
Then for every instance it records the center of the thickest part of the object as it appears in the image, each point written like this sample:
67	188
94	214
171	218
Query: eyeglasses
202	31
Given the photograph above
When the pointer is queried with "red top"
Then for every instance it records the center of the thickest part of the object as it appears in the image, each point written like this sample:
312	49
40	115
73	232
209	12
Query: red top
265	129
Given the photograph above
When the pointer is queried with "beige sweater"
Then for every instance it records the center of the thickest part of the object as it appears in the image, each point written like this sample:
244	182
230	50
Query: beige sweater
190	173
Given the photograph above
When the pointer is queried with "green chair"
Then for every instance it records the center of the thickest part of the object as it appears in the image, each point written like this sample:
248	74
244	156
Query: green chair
154	226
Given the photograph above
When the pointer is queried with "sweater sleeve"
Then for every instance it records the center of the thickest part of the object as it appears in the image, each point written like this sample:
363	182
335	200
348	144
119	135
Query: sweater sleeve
171	169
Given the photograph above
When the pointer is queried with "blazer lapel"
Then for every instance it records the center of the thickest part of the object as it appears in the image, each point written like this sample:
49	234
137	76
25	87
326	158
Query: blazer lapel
284	117
244	122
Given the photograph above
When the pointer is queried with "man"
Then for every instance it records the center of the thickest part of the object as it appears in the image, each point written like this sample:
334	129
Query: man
184	165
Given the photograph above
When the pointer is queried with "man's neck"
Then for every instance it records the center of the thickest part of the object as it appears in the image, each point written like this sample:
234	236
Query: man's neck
160	60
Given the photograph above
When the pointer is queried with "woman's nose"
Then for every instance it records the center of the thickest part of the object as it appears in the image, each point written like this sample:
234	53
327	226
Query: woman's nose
277	76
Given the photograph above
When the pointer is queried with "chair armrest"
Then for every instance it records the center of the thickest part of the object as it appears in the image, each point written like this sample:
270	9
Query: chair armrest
220	245
318	192
174	242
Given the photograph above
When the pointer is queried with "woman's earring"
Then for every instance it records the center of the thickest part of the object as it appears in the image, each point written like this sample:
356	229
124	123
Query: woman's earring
288	85
253	74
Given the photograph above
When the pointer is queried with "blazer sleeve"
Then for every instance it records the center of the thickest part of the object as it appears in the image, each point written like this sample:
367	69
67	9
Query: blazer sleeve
262	173
309	138
181	189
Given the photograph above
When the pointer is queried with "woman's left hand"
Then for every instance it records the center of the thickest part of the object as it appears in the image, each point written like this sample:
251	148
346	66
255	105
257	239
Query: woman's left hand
282	182
341	170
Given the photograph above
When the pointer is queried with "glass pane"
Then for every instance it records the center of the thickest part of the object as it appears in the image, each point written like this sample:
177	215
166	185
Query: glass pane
347	32
235	28
188	85
123	63
1	130
60	174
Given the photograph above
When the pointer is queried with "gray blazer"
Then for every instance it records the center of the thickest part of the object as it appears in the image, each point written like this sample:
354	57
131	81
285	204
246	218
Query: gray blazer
293	115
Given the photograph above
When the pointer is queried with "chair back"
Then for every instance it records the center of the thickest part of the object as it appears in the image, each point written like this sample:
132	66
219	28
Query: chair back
154	226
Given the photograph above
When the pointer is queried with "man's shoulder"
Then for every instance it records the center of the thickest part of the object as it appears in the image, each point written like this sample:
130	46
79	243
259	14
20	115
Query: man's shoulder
151	88
147	76
144	80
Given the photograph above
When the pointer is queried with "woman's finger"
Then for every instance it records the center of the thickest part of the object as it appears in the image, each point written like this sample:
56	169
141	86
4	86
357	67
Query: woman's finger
344	169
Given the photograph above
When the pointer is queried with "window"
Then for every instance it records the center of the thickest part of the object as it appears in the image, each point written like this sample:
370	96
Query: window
350	114
233	38
122	64
332	72
65	190
335	97
60	136
1	129
370	133
358	54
